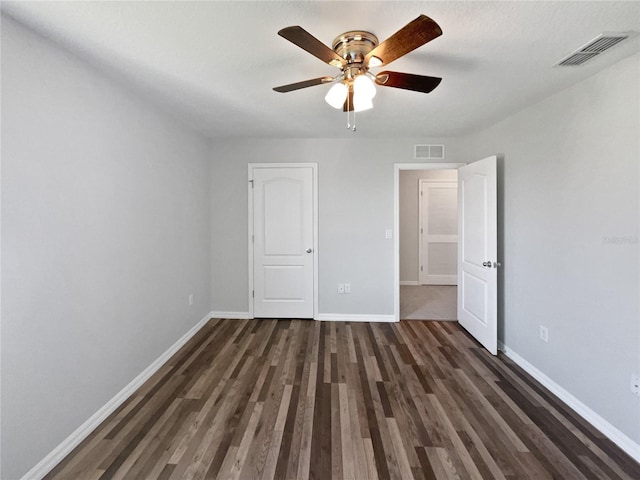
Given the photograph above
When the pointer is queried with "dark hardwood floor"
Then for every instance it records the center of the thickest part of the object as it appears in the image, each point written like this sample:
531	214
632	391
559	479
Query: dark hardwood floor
263	399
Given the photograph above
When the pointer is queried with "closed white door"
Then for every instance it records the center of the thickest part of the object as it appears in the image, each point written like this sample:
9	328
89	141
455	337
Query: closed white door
438	233
477	252
283	242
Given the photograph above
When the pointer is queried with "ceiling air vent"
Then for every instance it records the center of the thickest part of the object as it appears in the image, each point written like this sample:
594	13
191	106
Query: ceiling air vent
595	47
429	152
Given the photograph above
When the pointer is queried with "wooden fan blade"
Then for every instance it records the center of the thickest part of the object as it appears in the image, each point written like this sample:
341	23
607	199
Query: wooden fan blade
408	38
307	83
408	81
300	37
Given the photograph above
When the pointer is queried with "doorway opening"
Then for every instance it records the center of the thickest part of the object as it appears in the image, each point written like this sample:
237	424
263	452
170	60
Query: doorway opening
425	217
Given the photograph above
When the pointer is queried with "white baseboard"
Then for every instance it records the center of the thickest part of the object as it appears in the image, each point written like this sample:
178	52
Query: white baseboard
328	317
350	317
616	436
72	441
234	315
410	283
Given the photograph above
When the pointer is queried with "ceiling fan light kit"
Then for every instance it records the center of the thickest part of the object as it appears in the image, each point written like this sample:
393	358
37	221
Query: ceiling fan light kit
355	52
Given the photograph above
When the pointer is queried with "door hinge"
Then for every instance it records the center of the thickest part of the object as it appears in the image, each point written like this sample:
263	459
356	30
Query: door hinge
421	193
421	268
251	182
253	294
421	231
253	238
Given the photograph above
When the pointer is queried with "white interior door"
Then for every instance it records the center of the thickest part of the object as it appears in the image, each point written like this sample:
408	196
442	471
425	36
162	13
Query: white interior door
283	242
477	251
438	233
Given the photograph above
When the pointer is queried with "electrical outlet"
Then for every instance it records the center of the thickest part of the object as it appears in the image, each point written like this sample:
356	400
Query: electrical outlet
341	288
347	288
635	384
191	299
544	334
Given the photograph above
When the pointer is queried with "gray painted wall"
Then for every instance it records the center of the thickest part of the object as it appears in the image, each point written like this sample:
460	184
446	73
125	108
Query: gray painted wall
112	214
410	219
570	238
355	207
105	233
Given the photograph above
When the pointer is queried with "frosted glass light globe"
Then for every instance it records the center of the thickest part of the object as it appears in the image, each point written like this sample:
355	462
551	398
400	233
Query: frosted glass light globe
337	95
364	86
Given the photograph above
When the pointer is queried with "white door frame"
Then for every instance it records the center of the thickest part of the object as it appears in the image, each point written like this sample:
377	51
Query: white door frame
314	167
396	220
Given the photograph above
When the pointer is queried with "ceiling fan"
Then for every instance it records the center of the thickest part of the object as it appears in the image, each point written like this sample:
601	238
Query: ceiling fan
354	53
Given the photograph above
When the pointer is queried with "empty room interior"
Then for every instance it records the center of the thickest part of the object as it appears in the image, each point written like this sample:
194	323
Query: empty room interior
327	240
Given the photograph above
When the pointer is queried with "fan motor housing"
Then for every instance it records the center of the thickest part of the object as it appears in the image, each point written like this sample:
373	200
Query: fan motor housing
354	45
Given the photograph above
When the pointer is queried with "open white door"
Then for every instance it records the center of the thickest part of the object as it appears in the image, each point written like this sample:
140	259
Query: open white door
477	251
283	241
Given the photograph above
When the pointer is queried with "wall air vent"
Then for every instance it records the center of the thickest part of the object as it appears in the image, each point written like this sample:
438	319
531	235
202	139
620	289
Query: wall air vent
429	152
595	47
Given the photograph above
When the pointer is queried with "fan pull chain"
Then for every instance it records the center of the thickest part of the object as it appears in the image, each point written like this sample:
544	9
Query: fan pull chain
349	126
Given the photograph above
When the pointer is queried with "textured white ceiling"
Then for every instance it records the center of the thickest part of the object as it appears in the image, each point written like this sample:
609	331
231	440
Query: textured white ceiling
213	64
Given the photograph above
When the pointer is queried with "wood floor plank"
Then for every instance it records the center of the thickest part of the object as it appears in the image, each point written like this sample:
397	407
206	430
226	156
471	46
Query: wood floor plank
298	399
304	460
148	443
401	453
157	460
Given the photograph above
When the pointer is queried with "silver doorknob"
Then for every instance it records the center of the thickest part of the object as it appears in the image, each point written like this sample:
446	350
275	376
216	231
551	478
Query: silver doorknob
486	264
309	250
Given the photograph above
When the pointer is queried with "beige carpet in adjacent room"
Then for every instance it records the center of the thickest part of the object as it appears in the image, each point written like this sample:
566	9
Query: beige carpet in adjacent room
428	302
